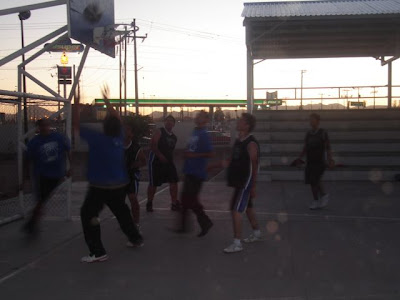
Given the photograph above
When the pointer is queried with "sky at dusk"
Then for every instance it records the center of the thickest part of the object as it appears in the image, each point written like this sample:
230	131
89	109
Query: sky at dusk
194	49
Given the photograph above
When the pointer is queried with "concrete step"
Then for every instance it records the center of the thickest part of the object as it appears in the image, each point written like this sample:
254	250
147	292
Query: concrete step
347	159
374	174
359	114
331	125
373	146
292	135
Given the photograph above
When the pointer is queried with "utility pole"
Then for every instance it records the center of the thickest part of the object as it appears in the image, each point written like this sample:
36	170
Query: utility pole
135	29
125	67
301	89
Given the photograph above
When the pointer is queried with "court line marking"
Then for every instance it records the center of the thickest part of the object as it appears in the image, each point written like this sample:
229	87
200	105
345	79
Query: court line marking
38	259
31	264
284	214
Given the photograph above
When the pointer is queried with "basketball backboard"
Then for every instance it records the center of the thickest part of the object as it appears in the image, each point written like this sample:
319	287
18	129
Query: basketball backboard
87	16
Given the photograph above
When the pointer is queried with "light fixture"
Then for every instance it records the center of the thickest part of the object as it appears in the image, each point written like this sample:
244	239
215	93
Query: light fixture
64	59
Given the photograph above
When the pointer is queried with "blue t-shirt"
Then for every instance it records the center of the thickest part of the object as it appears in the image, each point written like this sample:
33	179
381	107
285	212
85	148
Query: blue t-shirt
48	154
199	142
106	164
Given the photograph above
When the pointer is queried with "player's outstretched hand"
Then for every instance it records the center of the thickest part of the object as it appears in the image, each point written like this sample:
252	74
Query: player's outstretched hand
105	91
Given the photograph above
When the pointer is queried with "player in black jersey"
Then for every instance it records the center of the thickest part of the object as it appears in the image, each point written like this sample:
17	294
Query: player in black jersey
317	148
135	159
161	164
242	176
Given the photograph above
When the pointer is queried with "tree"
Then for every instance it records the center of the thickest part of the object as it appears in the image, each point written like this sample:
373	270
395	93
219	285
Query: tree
219	115
139	124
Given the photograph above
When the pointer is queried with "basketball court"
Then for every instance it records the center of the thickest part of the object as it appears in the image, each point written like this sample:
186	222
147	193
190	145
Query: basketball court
348	251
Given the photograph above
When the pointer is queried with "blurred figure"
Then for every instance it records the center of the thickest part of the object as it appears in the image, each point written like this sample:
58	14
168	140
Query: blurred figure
242	176
161	164
195	169
317	148
47	151
135	159
108	179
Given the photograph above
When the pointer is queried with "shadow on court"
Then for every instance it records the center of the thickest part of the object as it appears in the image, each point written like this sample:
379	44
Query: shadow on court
347	251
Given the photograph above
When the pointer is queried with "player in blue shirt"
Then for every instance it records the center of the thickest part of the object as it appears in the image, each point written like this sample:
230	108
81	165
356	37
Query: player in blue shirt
108	179
47	151
195	169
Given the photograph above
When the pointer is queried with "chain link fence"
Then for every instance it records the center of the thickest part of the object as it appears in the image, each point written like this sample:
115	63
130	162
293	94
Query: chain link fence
13	203
10	207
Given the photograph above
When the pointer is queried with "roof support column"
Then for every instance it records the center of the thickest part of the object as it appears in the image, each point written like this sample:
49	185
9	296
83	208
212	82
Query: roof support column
250	72
389	84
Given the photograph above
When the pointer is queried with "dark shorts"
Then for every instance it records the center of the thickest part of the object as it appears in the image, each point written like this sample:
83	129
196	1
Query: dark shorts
190	193
160	173
314	173
44	187
242	199
133	186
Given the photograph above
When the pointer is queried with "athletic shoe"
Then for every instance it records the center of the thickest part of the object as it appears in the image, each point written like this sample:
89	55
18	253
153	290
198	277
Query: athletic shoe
149	207
252	238
176	206
324	201
139	228
91	258
137	244
205	228
233	248
314	205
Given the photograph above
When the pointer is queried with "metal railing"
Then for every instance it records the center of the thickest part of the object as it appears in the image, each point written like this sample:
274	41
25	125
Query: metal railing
319	98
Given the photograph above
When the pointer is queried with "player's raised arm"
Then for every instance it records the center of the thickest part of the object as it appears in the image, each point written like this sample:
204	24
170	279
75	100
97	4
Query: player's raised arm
106	95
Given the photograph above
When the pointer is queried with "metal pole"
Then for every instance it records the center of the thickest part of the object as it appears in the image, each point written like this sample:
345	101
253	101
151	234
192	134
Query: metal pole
19	150
120	77
389	84
136	69
250	75
374	96
24	80
68	131
301	89
125	67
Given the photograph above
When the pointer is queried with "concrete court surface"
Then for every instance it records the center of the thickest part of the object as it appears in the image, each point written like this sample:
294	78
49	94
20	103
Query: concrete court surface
347	251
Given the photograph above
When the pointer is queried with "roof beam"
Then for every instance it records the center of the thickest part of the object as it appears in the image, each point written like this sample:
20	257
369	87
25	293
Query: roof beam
16	10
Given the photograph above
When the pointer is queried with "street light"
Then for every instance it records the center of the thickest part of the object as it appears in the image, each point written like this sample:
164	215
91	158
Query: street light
24	15
301	89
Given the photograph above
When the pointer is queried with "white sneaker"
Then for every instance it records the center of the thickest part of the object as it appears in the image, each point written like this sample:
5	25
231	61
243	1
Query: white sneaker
138	244
93	258
233	248
139	228
252	238
324	201
314	205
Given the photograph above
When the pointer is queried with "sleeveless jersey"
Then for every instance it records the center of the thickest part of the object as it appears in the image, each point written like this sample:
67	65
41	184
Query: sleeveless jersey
316	146
240	169
131	154
166	144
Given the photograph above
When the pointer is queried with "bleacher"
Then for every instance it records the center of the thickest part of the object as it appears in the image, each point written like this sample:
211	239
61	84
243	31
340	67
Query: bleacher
366	143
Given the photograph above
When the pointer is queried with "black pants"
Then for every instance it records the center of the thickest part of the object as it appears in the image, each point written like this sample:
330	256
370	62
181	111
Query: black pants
93	205
190	200
44	186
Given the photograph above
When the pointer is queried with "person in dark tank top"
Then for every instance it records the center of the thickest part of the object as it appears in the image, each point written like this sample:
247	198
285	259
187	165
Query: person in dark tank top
162	168
242	176
134	160
317	149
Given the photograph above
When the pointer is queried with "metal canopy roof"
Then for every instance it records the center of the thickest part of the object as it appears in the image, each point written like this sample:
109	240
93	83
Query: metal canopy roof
323	29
